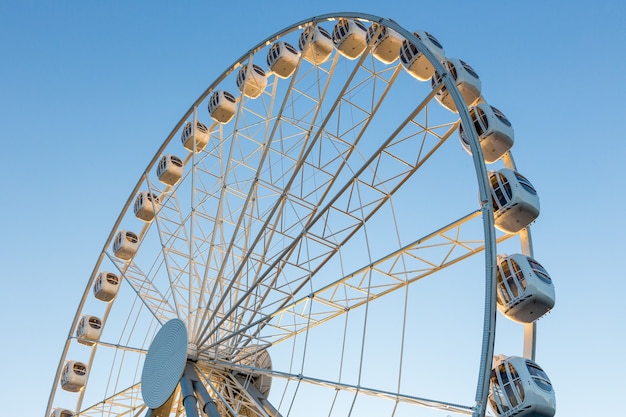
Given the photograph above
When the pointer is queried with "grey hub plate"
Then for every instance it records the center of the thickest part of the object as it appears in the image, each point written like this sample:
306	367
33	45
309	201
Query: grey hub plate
164	364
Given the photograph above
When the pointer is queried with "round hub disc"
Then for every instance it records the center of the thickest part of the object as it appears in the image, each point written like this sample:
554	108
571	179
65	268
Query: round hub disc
164	364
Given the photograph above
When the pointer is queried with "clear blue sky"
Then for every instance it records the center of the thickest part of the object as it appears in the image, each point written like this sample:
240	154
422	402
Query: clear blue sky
89	89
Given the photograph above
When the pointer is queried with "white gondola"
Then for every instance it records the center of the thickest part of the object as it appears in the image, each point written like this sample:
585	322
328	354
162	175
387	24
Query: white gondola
386	43
525	290
88	330
519	387
125	244
201	136
251	80
316	44
61	412
170	169
515	200
415	62
466	80
282	59
222	106
106	286
495	132
350	38
146	206
73	376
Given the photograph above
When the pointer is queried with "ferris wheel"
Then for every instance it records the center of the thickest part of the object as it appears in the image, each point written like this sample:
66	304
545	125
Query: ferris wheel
312	238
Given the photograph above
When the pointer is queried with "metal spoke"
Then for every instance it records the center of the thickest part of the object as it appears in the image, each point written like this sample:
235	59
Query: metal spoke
293	227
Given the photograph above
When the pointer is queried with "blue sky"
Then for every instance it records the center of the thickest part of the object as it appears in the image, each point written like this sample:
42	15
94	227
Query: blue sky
88	90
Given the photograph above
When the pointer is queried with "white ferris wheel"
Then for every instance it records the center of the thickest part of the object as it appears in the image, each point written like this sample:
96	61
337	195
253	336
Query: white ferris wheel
312	238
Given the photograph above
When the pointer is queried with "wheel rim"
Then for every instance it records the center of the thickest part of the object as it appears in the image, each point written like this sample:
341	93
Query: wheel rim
276	206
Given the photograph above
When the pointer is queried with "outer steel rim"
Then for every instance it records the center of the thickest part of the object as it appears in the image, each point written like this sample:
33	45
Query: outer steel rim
481	174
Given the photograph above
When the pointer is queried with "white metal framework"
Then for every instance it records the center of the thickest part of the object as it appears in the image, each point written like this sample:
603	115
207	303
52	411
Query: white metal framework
322	246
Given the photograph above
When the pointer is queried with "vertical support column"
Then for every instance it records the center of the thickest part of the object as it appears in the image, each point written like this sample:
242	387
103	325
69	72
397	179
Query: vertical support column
195	386
209	407
189	399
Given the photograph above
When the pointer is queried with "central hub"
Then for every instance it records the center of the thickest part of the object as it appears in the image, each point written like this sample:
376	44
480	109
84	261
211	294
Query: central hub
164	364
257	357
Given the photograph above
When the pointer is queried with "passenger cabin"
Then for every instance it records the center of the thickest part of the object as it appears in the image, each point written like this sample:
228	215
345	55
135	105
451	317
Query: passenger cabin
88	330
199	135
222	106
125	244
385	42
466	81
73	376
524	288
495	132
61	412
350	38
146	206
415	62
282	59
515	200
251	80
519	387
170	169
106	286
316	44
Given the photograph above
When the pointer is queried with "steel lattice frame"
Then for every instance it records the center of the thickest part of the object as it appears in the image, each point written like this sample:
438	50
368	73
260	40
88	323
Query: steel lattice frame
238	247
